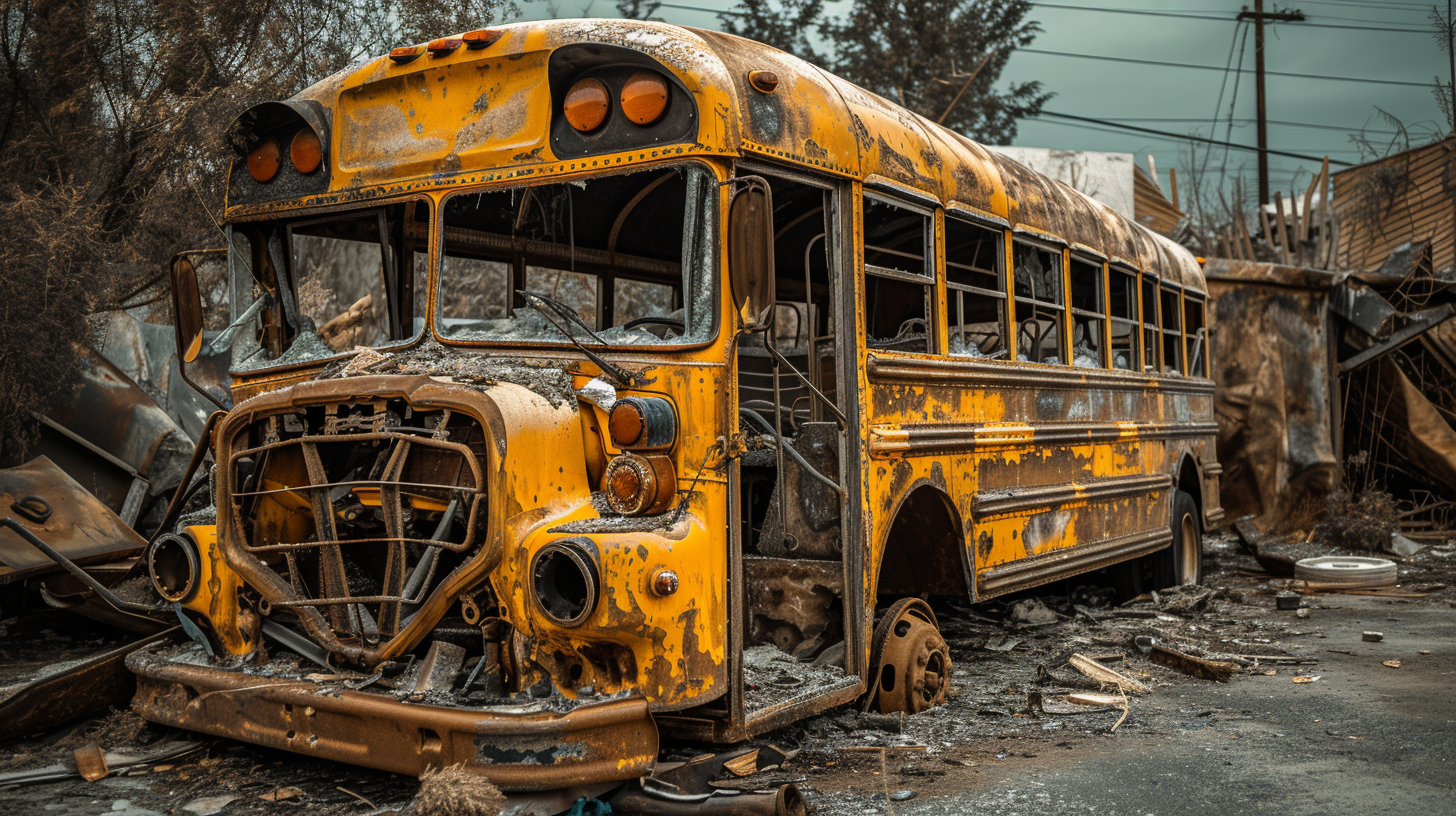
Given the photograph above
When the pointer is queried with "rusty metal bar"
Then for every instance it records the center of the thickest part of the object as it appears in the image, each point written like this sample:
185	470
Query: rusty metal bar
331	560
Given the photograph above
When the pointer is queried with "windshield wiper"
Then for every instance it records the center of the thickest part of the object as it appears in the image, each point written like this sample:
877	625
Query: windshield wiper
546	305
224	339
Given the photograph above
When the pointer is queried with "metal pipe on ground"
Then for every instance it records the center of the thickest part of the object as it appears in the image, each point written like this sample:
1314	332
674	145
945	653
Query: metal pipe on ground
640	800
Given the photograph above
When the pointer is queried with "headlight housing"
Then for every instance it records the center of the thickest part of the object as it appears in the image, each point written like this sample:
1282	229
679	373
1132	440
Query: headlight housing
640	485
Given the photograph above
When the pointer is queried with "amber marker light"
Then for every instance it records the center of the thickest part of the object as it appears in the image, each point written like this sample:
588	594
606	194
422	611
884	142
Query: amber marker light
443	46
264	160
405	53
664	582
644	97
586	105
763	81
481	38
305	151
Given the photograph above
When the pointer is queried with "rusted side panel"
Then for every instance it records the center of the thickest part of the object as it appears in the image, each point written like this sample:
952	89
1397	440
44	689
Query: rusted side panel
1052	471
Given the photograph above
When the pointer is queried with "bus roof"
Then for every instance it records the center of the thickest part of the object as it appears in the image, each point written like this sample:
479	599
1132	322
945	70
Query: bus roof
483	115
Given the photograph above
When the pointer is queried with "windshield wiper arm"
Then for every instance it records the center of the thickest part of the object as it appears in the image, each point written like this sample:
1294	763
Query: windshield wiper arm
537	302
224	338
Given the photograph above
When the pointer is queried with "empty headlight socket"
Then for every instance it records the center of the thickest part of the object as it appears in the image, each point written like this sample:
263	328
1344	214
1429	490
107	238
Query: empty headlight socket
566	579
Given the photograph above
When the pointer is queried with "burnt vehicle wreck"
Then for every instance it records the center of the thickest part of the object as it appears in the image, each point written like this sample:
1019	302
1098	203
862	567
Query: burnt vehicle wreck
633	407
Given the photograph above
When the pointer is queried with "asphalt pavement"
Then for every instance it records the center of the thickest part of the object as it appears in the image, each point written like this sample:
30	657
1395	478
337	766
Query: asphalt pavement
1365	738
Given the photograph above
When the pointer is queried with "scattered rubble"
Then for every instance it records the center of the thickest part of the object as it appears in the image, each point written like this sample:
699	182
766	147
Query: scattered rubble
1017	692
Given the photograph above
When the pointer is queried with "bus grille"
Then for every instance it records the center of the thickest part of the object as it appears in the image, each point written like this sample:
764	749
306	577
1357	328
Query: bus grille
360	513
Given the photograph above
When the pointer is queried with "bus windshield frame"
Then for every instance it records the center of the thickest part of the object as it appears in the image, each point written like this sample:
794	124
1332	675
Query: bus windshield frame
600	246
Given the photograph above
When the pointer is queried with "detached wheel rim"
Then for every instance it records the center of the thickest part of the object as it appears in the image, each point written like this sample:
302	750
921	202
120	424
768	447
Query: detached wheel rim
1188	549
912	662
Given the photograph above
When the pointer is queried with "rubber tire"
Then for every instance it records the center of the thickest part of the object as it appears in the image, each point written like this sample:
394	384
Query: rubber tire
1167	565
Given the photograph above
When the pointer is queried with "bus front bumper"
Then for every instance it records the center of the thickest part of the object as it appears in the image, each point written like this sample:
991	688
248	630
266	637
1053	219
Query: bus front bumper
548	746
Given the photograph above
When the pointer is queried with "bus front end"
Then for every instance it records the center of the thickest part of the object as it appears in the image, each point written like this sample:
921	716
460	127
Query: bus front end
462	505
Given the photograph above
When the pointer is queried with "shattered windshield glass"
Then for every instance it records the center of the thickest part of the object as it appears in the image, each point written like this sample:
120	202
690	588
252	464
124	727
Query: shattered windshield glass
630	255
311	288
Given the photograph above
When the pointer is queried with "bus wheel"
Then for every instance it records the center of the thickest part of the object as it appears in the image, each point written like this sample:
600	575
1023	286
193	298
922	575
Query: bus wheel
909	660
1182	563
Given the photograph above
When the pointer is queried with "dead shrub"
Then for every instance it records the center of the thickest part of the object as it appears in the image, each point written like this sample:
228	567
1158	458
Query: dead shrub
1358	523
454	791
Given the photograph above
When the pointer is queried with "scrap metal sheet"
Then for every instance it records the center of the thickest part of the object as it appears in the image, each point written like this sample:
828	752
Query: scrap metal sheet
79	527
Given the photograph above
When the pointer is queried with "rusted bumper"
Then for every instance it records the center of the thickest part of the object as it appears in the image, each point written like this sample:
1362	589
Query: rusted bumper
518	748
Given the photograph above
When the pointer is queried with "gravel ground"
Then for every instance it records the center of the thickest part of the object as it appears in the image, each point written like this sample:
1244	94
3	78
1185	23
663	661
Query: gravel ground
1362	735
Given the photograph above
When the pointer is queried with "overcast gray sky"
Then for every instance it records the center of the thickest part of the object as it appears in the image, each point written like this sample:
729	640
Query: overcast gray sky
1336	41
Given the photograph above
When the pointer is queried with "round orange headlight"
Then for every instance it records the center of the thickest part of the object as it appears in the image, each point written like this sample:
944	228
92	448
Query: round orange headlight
305	151
263	162
586	105
624	487
640	485
644	97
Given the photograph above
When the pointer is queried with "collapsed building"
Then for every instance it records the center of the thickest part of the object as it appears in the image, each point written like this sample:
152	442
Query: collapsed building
1337	364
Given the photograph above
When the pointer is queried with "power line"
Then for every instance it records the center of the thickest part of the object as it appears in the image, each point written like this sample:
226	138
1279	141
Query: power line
1117	130
1185	137
1285	123
1216	68
1244	121
728	12
1381	6
1219	19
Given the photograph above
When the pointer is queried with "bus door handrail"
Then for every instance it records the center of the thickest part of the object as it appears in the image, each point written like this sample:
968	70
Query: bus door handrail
780	359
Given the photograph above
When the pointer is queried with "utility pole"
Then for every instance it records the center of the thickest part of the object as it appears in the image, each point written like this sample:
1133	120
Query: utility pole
1258	17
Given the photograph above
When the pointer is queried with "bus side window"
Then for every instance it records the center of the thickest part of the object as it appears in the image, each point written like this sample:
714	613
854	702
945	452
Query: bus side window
1150	325
899	277
1039	310
1087	314
1196	337
1172	332
974	292
1122	314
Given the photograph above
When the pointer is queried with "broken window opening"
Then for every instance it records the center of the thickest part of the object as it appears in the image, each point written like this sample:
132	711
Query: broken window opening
629	254
336	283
1172	331
1195	336
1150	324
1039	299
1122	317
1088	314
899	277
975	291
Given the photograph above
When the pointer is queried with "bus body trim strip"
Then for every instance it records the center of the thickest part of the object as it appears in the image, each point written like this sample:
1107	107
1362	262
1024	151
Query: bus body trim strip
1011	501
1040	569
993	374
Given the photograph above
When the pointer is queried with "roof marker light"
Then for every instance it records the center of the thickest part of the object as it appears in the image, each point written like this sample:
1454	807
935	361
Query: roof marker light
443	46
405	53
763	81
481	38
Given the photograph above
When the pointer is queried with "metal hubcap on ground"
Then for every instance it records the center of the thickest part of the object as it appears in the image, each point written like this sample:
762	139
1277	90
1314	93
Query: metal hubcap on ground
1188	543
910	660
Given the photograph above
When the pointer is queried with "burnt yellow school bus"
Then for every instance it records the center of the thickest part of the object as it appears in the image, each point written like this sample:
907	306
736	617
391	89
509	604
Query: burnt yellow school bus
595	378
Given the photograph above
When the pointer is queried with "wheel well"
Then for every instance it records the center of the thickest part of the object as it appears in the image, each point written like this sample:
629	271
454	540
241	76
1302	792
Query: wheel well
924	550
1190	483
